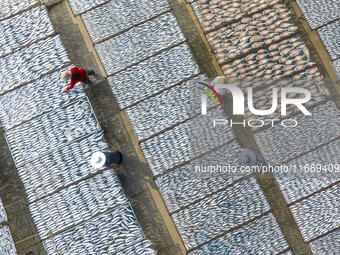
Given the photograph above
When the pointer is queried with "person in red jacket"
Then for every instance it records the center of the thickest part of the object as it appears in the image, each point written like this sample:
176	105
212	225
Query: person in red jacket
76	75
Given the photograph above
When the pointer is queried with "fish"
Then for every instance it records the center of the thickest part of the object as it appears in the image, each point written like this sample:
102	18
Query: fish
237	61
276	67
246	20
283	46
265	32
261	56
264	61
294	53
250	56
245	50
270	65
240	27
306	52
252	32
253	67
243	39
209	16
288	67
293	28
283	60
279	30
286	34
258	44
243	46
285	51
273	53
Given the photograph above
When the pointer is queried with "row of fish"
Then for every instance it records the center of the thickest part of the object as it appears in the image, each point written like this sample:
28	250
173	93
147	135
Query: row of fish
310	80
3	215
153	75
336	66
107	233
32	62
319	12
326	245
51	131
278	144
6	240
185	141
274	62
36	98
220	212
330	37
11	7
61	167
142	248
139	43
80	6
115	17
250	33
318	214
24	29
261	236
183	185
166	109
215	13
77	203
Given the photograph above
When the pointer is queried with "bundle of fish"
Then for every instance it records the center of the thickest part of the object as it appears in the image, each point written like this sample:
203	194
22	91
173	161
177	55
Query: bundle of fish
319	12
153	75
261	236
220	212
32	62
318	214
330	37
117	16
139	43
185	141
182	186
329	244
278	144
323	170
336	66
34	99
7	245
18	31
271	63
107	233
11	7
79	6
51	131
163	111
142	248
250	33
262	98
61	167
215	13
77	203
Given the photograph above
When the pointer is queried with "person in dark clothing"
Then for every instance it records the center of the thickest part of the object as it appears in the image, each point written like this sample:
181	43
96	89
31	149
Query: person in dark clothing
76	75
